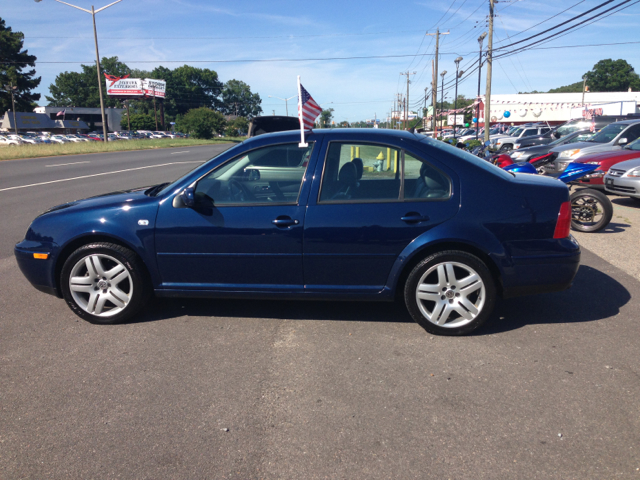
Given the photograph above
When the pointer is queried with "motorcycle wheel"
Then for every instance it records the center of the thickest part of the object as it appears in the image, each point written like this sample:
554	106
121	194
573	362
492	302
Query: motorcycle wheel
591	210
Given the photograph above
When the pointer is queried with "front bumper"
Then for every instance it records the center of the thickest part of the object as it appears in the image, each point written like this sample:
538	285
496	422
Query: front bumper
40	273
629	187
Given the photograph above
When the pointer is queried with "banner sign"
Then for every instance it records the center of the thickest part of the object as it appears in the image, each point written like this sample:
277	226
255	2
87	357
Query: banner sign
458	119
154	88
595	110
135	87
125	87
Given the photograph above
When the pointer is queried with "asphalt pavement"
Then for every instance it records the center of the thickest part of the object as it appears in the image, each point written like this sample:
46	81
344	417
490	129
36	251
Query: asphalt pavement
550	388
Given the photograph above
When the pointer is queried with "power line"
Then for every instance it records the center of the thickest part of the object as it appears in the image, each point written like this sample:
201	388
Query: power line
550	18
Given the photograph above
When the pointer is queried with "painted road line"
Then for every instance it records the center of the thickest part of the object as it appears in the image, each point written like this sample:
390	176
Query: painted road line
175	153
63	164
95	175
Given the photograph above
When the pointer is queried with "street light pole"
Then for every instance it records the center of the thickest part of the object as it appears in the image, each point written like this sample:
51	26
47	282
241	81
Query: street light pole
11	88
442	74
480	39
455	100
286	100
95	36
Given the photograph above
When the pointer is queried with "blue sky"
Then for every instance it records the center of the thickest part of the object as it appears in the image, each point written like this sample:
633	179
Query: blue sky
147	33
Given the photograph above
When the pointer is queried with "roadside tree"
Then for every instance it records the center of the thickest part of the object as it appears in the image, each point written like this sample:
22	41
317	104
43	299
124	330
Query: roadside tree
139	121
240	126
612	76
201	122
237	99
13	61
325	118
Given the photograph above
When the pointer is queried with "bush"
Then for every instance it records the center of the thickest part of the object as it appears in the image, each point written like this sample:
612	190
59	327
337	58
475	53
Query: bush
240	126
471	144
201	123
139	121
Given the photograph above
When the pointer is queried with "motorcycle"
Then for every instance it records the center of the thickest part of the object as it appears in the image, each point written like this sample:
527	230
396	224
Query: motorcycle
591	210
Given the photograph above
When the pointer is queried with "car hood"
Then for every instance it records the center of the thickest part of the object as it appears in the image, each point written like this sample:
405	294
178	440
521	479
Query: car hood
122	197
617	156
628	165
575	145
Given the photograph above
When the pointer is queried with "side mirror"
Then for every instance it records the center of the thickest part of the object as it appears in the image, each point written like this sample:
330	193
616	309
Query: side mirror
188	197
623	141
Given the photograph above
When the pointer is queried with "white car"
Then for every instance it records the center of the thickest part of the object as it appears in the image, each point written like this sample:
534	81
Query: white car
9	142
75	138
59	139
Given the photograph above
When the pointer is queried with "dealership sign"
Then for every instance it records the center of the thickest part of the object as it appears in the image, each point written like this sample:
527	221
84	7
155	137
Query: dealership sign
135	87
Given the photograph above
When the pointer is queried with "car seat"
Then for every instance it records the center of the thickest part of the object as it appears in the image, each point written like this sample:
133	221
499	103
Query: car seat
347	181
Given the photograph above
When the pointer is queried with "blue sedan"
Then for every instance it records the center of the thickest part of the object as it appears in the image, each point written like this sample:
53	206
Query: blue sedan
353	215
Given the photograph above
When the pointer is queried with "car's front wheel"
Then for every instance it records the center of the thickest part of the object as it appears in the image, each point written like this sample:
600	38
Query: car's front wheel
104	283
450	293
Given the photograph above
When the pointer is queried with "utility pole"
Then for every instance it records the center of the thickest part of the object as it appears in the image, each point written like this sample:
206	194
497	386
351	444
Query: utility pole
155	112
406	101
487	98
424	110
480	39
584	84
11	88
434	83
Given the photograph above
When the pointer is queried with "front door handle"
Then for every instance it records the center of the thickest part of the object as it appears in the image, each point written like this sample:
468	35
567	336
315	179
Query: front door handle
413	217
284	221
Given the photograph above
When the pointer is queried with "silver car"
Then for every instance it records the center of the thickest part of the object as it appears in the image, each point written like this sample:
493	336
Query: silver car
612	137
624	179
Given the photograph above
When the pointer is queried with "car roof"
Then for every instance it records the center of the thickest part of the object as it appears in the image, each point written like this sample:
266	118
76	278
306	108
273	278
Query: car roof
627	122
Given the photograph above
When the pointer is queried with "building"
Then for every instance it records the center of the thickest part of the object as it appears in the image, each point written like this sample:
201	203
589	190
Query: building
39	122
558	108
90	116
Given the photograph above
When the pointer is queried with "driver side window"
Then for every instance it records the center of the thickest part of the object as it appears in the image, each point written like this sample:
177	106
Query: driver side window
263	176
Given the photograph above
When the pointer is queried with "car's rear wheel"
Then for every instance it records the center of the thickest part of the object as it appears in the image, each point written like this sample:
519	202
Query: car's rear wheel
450	293
104	283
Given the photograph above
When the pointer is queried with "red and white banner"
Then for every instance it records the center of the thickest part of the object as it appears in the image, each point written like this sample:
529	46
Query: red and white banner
154	88
125	87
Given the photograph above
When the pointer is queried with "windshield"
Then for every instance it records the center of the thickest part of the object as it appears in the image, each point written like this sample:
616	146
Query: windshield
516	132
608	133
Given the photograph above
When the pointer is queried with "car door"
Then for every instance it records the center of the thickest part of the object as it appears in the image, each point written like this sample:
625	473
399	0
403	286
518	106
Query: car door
364	212
245	230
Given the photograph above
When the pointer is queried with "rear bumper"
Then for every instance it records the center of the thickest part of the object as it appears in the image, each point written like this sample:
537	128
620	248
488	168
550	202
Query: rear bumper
533	274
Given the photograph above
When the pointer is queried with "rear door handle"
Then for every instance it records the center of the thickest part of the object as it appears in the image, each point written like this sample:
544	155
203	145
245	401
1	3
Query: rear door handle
284	222
414	218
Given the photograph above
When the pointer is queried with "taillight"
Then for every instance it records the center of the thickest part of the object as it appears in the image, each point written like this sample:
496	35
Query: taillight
564	221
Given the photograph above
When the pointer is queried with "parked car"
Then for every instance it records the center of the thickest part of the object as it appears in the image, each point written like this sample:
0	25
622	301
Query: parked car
89	137
624	179
59	139
358	214
526	154
605	162
612	137
10	142
505	144
76	138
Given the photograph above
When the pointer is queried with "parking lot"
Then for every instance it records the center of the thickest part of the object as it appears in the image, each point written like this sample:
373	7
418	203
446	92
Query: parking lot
259	389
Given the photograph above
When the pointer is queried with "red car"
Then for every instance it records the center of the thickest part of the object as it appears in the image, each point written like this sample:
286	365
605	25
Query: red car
606	160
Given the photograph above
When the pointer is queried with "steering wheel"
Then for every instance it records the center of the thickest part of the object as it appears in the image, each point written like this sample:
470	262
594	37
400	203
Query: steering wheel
238	192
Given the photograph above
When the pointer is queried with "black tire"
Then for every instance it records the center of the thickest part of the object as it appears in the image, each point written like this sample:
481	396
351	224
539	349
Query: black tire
478	294
591	210
506	147
116	294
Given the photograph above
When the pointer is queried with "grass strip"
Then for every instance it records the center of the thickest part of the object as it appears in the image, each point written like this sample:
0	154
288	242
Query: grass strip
52	150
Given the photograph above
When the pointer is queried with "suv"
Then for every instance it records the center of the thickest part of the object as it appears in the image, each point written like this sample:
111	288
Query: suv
507	143
612	137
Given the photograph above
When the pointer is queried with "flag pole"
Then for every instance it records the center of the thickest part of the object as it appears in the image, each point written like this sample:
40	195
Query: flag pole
302	143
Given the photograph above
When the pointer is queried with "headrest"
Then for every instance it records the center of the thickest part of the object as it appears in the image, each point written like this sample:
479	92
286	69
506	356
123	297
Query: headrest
348	174
359	167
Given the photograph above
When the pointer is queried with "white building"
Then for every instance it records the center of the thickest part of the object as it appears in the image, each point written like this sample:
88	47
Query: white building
557	108
113	116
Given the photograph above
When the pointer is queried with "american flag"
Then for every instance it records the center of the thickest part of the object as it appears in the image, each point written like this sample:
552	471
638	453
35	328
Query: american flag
310	109
60	113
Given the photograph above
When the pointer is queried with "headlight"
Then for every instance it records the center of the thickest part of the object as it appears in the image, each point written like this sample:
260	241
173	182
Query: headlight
634	173
569	153
516	146
596	174
517	154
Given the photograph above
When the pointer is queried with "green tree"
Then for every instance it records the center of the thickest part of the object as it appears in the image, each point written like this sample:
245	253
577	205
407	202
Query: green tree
239	126
237	99
189	88
325	118
572	88
201	122
139	121
13	60
80	89
612	76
